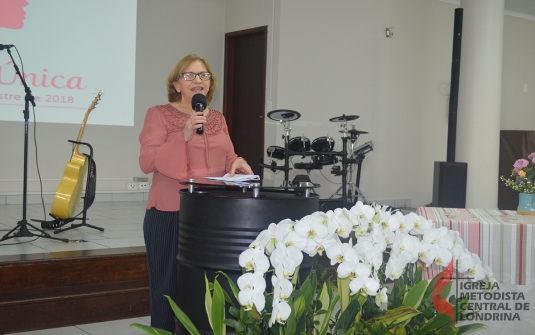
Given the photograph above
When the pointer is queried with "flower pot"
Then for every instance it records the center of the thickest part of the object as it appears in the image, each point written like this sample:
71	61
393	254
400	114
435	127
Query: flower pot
526	204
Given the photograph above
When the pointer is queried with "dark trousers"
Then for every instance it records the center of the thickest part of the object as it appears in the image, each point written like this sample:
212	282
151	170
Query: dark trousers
160	230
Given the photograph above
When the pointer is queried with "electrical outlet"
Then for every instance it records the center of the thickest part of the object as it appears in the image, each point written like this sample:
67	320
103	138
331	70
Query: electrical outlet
143	185
131	186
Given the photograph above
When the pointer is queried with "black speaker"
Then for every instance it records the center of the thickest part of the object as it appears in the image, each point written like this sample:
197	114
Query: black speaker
454	86
449	184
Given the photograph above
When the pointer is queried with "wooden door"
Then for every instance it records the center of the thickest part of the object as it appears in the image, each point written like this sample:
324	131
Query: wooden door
244	92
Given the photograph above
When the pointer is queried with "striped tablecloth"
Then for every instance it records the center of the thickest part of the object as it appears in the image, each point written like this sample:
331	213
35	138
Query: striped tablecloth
504	240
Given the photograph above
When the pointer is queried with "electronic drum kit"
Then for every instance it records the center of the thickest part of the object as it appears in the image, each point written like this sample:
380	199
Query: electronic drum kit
321	151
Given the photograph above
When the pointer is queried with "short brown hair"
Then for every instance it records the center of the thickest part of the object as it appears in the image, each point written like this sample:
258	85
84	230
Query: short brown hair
180	67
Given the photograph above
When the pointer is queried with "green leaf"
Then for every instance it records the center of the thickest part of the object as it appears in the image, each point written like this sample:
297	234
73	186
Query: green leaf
240	327
232	284
325	325
235	312
400	331
440	320
347	319
299	306
218	310
447	289
362	299
415	295
324	299
150	330
183	318
398	315
448	330
208	301
343	292
291	325
468	328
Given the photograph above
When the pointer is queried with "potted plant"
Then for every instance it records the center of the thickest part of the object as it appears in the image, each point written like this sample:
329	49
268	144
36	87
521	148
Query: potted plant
379	286
522	180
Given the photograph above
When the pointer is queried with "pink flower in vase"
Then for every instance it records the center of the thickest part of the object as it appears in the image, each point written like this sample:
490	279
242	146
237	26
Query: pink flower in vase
521	163
532	157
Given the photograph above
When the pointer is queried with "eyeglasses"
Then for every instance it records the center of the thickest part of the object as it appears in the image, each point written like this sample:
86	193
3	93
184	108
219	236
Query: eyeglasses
189	76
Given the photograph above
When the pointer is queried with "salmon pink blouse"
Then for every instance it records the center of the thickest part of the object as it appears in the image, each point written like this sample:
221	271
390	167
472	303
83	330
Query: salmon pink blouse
166	154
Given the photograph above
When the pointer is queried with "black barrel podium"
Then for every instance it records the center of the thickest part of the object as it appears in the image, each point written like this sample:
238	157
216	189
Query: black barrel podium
216	225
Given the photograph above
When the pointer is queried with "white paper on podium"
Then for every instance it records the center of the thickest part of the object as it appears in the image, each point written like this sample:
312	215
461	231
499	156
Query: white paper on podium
237	178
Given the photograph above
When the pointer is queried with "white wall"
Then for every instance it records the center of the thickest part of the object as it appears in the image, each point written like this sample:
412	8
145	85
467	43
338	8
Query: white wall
335	59
325	59
518	107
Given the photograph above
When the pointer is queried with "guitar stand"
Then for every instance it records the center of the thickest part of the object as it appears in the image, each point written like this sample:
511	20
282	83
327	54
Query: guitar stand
88	200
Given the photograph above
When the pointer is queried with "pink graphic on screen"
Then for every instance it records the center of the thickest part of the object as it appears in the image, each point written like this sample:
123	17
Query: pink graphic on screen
12	13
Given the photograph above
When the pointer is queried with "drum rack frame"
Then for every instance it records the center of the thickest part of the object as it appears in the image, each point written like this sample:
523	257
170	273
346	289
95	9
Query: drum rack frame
284	117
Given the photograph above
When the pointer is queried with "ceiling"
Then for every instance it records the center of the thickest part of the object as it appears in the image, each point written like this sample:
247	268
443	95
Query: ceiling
526	7
520	8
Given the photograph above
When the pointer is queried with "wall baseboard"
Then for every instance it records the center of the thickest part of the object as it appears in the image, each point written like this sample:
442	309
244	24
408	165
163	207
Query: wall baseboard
105	196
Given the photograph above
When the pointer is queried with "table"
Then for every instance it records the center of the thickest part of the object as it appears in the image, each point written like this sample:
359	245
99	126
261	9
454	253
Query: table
502	239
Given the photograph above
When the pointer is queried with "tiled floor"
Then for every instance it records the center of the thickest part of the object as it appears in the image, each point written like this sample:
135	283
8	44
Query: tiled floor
123	227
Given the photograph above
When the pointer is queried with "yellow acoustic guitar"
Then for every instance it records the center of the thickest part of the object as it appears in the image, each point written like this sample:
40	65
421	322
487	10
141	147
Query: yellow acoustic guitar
69	192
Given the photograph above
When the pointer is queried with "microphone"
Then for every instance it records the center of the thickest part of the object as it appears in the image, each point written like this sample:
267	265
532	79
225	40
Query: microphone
6	46
198	103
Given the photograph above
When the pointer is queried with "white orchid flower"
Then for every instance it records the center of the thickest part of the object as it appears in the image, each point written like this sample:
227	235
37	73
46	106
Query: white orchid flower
421	225
366	286
260	241
250	298
282	288
381	297
443	257
491	284
395	266
389	237
439	236
407	224
285	226
319	245
365	214
376	236
268	238
254	260
341	252
281	312
291	252
285	260
284	267
428	253
343	226
465	261
352	217
477	272
406	245
294	239
320	217
251	280
363	245
374	257
311	228
391	222
353	269
458	244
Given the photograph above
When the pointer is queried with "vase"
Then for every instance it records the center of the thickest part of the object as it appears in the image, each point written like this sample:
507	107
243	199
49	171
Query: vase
526	204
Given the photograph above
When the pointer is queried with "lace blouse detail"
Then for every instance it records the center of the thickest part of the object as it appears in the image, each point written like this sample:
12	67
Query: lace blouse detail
176	120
